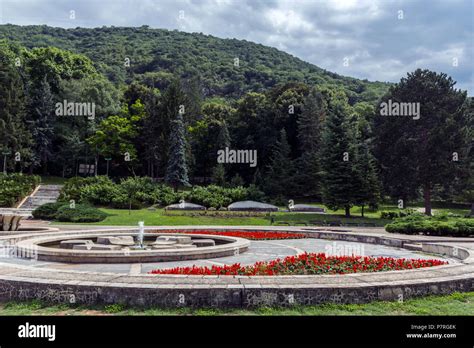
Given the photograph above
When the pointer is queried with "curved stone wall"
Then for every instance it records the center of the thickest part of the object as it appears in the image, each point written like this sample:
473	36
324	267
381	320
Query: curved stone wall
20	282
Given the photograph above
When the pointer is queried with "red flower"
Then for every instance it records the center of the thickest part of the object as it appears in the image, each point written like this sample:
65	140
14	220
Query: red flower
253	235
308	263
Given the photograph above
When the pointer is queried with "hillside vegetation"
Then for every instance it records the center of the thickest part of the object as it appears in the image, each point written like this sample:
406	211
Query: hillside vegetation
156	55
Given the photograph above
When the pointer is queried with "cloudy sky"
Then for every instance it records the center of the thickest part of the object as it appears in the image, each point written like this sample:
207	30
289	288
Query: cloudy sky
372	39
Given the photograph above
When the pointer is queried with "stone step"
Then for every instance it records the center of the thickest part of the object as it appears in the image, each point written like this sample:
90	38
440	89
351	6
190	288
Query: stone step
44	194
51	187
39	199
47	193
34	204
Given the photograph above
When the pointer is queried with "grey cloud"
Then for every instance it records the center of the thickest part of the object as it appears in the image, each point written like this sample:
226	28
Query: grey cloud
368	32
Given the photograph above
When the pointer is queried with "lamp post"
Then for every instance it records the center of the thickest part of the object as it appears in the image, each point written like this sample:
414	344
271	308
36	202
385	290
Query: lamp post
5	153
108	160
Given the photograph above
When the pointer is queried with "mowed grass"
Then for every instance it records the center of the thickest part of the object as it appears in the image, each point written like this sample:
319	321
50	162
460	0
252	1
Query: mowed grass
454	304
122	217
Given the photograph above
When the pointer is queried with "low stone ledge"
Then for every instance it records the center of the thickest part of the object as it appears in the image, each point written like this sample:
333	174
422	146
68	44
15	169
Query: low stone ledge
224	295
448	250
22	282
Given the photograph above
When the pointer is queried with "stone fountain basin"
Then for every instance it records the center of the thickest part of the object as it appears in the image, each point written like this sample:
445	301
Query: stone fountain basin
42	249
10	219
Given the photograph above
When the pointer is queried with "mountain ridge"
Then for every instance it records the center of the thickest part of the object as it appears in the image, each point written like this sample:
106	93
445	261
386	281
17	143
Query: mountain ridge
155	55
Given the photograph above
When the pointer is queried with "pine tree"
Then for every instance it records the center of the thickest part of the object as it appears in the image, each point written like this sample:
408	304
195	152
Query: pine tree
368	192
280	173
42	108
222	141
15	138
172	103
339	179
223	137
309	129
236	181
177	170
417	151
218	175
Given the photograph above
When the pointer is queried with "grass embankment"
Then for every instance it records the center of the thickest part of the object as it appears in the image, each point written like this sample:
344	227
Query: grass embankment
454	304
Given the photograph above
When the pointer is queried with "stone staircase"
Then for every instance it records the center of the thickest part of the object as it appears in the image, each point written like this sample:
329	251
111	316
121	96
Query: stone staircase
44	194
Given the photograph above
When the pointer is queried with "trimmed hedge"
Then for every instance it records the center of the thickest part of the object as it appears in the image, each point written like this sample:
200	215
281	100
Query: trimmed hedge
47	211
443	225
142	191
80	213
16	186
62	212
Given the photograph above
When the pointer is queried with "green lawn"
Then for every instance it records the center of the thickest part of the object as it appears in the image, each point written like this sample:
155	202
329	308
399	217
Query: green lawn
454	304
121	217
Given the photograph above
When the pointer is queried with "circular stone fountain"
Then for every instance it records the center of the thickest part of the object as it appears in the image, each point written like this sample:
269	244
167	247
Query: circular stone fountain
119	247
106	283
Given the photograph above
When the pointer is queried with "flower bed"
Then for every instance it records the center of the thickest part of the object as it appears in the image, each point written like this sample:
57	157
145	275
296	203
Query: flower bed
308	263
253	235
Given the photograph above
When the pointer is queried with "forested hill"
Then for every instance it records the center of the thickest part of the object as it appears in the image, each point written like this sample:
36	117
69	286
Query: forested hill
156	55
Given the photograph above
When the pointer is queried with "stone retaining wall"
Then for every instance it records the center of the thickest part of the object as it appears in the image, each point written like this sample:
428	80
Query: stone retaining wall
22	283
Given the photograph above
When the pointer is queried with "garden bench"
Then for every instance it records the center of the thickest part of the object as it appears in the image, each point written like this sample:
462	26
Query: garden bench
282	223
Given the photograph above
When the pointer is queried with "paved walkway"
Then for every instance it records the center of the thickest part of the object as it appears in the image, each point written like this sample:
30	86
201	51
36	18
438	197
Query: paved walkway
131	286
258	251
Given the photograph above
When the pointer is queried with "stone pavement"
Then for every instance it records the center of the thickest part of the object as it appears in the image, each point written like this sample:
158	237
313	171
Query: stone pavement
24	281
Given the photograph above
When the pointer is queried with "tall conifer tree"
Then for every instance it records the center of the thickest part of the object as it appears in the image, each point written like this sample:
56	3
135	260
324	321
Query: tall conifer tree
339	183
177	170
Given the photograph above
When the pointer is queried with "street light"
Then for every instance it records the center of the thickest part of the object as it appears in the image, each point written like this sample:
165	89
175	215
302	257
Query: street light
5	153
108	160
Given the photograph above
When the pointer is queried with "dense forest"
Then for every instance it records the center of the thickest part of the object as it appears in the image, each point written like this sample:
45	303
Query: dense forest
158	103
155	57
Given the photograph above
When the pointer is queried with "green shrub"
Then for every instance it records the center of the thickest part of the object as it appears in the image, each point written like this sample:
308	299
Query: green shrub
139	189
442	225
122	201
98	193
390	215
74	187
165	195
142	191
279	201
80	213
47	211
16	186
214	196
211	196
254	194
